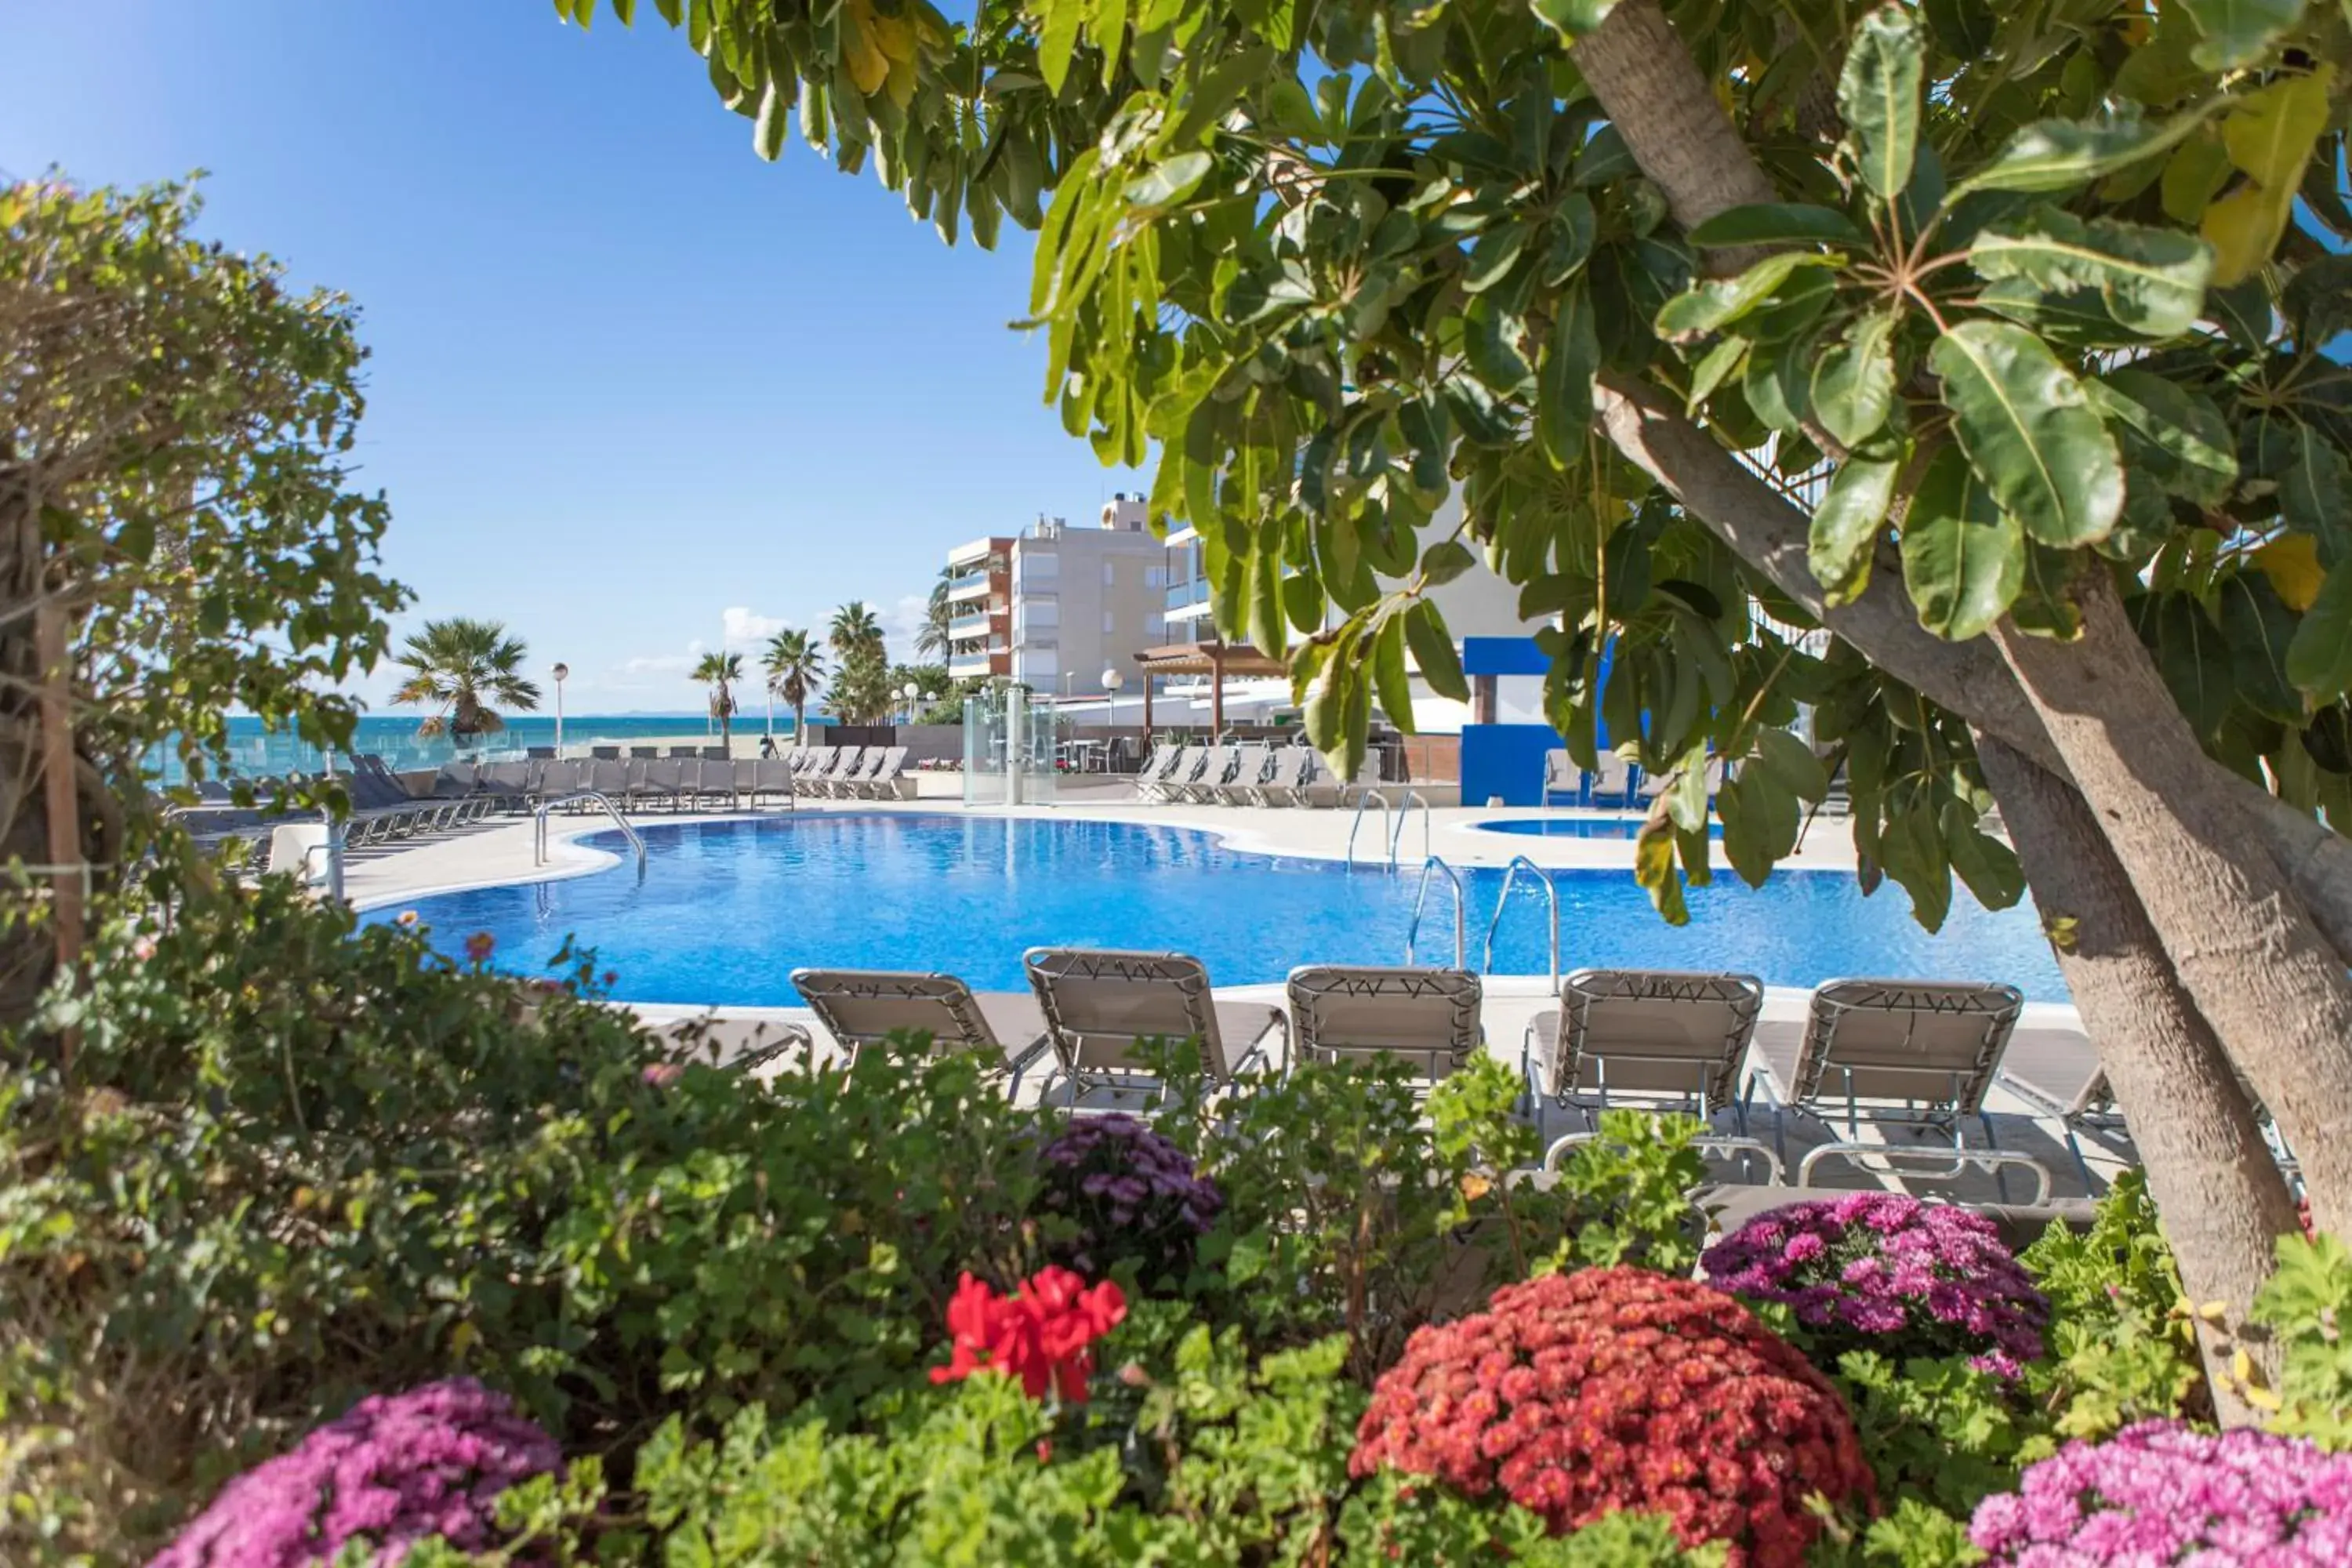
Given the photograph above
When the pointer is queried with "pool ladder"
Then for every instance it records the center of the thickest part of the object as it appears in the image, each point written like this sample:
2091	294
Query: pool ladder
1421	897
1392	822
1551	896
539	838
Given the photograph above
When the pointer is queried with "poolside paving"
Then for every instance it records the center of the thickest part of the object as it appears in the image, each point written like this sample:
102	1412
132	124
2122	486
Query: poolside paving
501	851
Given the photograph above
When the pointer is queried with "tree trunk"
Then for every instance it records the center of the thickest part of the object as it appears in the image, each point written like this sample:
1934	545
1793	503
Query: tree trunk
2223	1200
2243	945
1644	78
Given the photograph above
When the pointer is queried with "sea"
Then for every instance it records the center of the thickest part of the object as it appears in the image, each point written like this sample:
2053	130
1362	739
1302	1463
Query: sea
256	753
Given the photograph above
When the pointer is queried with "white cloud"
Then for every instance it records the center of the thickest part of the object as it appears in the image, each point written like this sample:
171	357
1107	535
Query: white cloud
904	625
744	631
661	663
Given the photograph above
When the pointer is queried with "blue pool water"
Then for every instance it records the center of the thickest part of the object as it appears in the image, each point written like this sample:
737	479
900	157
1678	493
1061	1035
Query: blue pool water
1575	827
726	910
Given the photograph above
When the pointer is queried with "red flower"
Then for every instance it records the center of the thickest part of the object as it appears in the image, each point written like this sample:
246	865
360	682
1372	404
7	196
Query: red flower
1041	1334
480	946
1584	1394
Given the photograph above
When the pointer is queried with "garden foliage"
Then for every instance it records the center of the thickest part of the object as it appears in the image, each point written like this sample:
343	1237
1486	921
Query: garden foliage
304	1175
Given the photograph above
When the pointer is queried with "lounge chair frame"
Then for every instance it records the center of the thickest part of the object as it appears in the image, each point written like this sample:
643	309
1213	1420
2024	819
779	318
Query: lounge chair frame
1325	1029
832	993
1081	1043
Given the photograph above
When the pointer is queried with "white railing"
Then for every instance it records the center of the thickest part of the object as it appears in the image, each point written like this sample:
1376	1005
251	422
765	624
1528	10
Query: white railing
1461	919
1551	895
539	836
1366	794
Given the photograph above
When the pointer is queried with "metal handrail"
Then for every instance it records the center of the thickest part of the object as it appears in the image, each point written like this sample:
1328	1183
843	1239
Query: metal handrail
1396	832
1461	923
1365	797
1551	894
539	838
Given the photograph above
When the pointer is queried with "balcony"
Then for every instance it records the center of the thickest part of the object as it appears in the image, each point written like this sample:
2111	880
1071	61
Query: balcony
962	664
1184	595
964	628
972	585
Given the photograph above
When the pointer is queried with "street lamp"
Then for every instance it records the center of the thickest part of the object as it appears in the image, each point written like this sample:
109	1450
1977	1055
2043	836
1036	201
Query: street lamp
560	671
912	693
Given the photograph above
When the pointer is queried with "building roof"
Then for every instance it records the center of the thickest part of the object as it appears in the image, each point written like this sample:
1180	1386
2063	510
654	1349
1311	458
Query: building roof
1209	659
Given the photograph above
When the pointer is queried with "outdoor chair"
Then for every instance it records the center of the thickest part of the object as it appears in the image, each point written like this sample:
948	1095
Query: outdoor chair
1099	1005
861	1006
1898	1053
1423	1016
1240	785
1216	766
1662	1040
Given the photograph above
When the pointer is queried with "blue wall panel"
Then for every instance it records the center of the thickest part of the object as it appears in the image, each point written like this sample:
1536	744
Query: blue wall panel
1505	760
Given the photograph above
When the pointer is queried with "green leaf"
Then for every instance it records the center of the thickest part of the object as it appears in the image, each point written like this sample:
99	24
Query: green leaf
2315	494
1716	364
1494	342
1654	868
1989	866
1963	28
775	120
1777	223
2151	279
1389	674
1057	39
1573	18
2176	436
2065	155
2029	430
2235	33
1963	557
2194	659
1171	182
1854	380
2257	626
1793	762
1564	383
1847	523
1710	305
1878	94
1492	257
1434	653
2319	659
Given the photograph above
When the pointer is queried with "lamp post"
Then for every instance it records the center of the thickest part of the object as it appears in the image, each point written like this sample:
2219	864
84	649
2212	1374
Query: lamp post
912	693
560	671
1111	681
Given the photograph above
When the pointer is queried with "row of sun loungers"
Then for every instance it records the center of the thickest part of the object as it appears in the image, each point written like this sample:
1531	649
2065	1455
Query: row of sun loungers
1249	773
842	773
1888	1055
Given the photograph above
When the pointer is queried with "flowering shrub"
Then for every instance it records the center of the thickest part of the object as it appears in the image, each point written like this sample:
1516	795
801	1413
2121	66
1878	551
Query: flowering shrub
1619	1390
2158	1492
392	1470
1886	1272
1040	1334
1132	1192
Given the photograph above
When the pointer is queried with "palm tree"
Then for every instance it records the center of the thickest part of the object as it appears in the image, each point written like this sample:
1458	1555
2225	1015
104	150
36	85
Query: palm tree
461	666
720	671
933	641
855	630
795	667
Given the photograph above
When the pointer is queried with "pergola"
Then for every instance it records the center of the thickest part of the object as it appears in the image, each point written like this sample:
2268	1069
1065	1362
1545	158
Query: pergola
1215	659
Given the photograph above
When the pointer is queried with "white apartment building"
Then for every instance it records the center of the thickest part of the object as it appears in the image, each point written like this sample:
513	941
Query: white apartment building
1055	606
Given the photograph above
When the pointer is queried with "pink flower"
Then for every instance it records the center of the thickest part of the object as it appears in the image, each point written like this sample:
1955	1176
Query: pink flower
661	1075
480	946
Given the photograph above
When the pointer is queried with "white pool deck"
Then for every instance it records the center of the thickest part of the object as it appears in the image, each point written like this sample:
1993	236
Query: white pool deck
500	851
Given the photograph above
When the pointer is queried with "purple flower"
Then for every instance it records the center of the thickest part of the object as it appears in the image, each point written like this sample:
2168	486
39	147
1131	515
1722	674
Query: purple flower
2159	1493
393	1469
1132	1192
1884	1271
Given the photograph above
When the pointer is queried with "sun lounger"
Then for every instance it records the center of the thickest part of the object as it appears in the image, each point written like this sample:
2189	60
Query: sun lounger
609	777
860	1007
1896	1053
1560	777
1612	782
882	783
1181	772
1241	784
661	781
1216	767
1099	1005
1655	786
644	753
844	767
1423	1016
1155	771
1661	1038
808	761
603	754
771	776
2056	1070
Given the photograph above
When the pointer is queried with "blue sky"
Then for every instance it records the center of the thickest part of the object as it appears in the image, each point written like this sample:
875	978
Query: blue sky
628	381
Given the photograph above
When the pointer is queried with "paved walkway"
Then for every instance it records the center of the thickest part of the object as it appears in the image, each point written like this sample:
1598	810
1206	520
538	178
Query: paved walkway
502	850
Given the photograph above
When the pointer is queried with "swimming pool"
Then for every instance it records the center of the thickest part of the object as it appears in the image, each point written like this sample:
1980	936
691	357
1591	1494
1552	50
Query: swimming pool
1575	827
727	909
